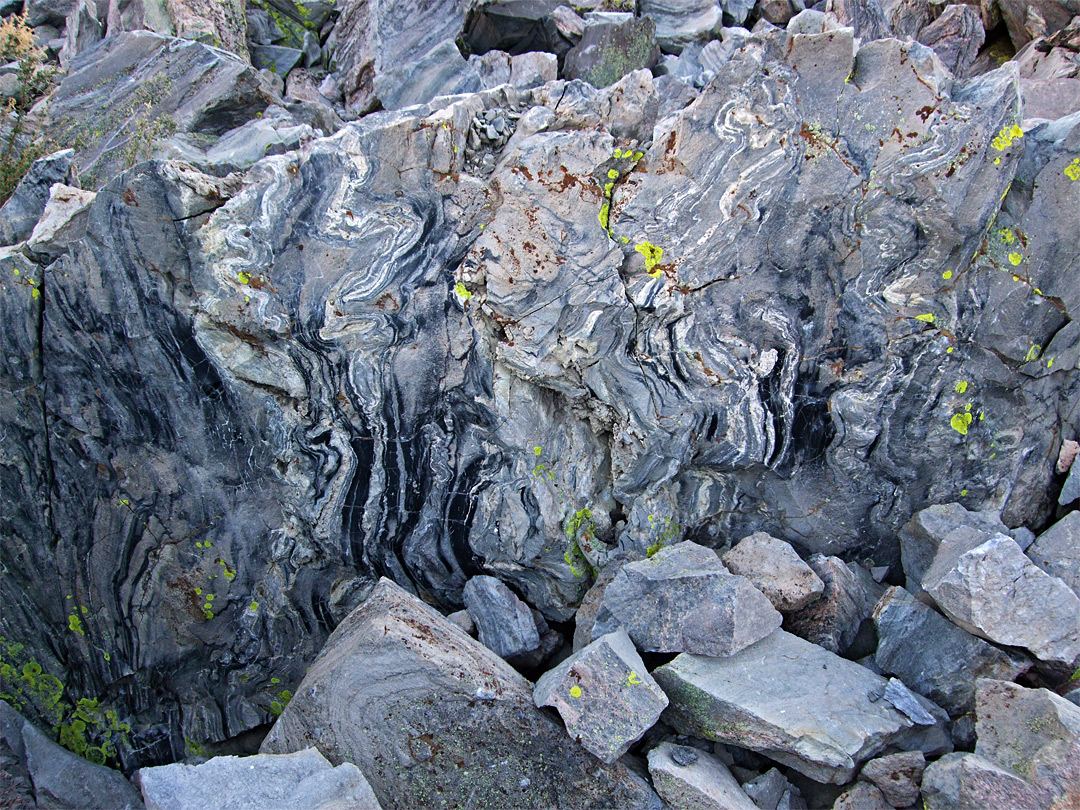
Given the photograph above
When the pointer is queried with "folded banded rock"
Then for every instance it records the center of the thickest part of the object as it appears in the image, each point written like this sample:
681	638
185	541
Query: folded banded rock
435	719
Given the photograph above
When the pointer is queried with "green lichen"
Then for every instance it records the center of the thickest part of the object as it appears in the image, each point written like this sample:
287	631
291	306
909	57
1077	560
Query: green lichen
462	292
1072	171
960	422
653	256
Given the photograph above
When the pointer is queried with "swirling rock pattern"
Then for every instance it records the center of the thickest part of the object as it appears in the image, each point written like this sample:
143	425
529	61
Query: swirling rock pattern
791	306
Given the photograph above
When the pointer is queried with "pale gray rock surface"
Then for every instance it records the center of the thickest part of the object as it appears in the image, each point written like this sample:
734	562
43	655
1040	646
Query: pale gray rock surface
433	718
897	776
24	207
788	699
993	590
689	779
605	696
970	782
62	222
51	776
862	796
683	599
301	780
772	790
1057	550
833	619
533	69
935	657
504	623
679	22
775	569
1034	733
442	71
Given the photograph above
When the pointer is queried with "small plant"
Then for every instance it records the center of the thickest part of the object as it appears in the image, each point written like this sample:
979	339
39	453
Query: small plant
19	147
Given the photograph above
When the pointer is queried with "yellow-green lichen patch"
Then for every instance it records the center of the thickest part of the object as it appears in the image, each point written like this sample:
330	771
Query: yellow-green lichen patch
1015	259
243	277
575	691
1072	171
653	256
961	386
1033	353
1004	139
75	625
927	317
612	174
947	275
1007	236
960	422
605	213
537	450
253	606
632	679
462	292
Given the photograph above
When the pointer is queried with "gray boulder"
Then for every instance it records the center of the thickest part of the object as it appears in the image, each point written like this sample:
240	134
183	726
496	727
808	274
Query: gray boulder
51	776
442	71
689	779
304	779
120	99
1030	20
24	207
971	782
504	623
790	700
994	591
935	657
833	619
591	603
683	599
776	570
772	791
897	776
433	717
608	52
62	222
1057	550
679	22
862	796
605	696
956	37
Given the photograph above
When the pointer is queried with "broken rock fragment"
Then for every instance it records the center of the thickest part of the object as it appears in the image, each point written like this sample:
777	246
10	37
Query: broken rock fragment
897	776
605	695
833	619
776	570
689	779
790	700
683	599
504	623
1057	551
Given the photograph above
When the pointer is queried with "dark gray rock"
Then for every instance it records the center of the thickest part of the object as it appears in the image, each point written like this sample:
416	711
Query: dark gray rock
688	779
300	780
833	619
608	52
897	776
1033	733
37	768
41	12
432	717
504	623
605	696
121	98
1030	20
790	700
776	570
905	701
994	591
275	58
956	37
772	790
969	781
24	207
1057	550
585	617
683	599
935	657
679	22
866	18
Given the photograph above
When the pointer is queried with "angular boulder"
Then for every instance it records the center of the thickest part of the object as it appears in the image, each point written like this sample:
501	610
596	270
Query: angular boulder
993	590
504	623
608	51
605	695
299	780
971	782
935	657
683	599
24	207
776	570
679	22
689	779
434	718
832	620
897	776
790	700
1057	550
862	796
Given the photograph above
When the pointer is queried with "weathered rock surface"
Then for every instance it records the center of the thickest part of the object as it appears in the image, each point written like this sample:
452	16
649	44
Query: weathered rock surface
772	791
433	718
969	781
118	98
24	207
956	37
1057	551
788	699
299	780
935	657
776	570
587	611
607	52
833	619
689	779
679	22
605	696
62	222
683	599
1033	733
993	590
38	769
897	776
504	623
862	796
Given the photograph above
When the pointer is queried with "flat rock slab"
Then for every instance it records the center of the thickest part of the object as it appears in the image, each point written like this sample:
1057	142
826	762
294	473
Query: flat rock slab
933	656
300	780
503	622
134	88
1032	732
993	590
605	695
776	570
435	719
1057	550
788	699
689	779
683	599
